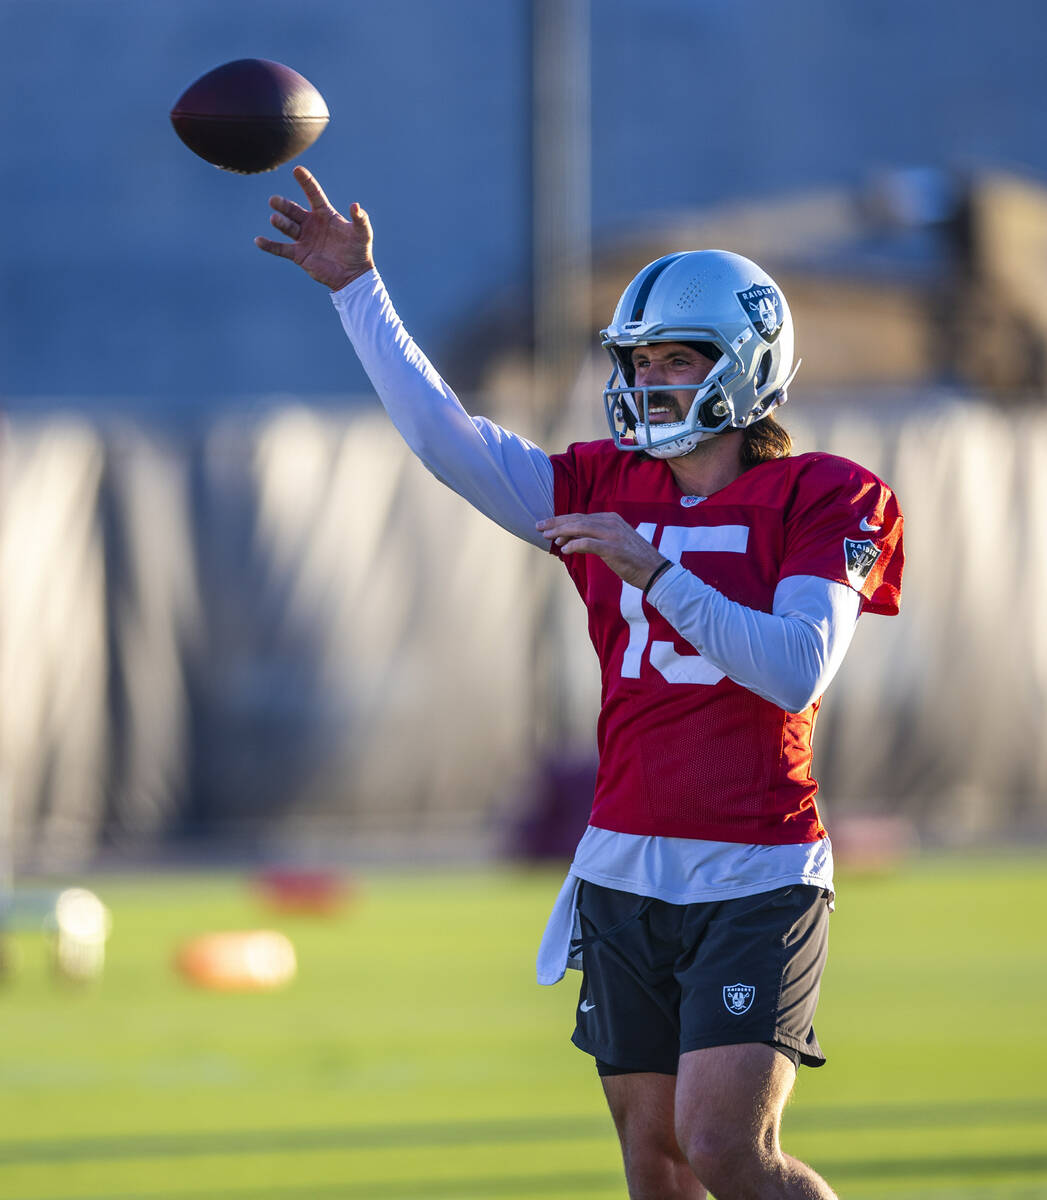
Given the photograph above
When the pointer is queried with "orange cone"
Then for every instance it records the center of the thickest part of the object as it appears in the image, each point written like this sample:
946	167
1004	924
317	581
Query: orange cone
253	960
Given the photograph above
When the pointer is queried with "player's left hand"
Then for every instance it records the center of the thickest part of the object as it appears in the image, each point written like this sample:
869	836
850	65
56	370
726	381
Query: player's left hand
608	535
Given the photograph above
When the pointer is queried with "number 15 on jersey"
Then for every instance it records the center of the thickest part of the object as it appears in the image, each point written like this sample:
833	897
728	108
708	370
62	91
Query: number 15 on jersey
676	540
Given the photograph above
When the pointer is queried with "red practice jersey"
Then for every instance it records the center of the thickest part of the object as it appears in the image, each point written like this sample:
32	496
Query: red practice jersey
685	751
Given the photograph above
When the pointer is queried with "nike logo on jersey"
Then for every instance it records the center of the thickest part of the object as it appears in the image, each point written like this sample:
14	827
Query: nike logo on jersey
866	526
586	1006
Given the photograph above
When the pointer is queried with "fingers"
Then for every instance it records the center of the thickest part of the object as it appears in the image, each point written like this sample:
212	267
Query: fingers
288	207
581	545
550	525
280	249
286	225
607	535
587	524
314	193
555	529
298	214
575	532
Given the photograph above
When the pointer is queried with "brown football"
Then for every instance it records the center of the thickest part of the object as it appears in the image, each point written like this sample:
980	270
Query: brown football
249	115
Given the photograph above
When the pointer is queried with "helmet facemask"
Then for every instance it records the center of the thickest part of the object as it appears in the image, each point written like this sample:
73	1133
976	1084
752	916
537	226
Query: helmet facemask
710	412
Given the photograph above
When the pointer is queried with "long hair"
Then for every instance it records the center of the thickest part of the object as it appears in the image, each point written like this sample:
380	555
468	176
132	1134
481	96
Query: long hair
764	440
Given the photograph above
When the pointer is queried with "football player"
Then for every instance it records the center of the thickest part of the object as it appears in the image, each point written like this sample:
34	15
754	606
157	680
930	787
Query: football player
723	577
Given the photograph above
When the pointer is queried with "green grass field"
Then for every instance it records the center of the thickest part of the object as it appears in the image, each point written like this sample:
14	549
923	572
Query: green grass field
415	1057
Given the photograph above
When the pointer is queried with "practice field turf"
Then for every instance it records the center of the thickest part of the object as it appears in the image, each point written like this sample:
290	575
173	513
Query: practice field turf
415	1057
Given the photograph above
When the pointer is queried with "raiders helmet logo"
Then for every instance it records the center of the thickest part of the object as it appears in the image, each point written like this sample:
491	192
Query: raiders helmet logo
738	997
763	306
859	558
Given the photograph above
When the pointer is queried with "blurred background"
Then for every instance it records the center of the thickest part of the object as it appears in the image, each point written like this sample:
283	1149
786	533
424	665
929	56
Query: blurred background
239	622
292	710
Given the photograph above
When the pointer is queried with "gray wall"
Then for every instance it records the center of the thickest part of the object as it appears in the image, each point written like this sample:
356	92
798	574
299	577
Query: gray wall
127	272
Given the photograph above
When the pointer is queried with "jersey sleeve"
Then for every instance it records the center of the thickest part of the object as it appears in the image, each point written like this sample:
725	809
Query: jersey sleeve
580	473
845	525
568	469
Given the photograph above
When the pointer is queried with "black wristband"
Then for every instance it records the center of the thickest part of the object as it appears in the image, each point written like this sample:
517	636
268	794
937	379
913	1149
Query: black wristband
662	566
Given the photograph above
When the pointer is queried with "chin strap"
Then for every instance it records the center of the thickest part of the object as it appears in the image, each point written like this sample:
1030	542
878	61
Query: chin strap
776	399
792	376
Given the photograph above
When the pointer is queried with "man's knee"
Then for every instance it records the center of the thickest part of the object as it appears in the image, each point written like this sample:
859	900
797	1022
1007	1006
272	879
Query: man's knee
660	1172
660	1179
655	1166
723	1156
652	1159
729	1103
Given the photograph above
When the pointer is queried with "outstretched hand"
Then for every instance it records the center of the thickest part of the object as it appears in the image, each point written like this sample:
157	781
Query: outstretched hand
608	535
333	250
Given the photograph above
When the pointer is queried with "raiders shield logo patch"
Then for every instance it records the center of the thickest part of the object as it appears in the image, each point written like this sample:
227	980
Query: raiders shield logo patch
858	559
738	997
763	307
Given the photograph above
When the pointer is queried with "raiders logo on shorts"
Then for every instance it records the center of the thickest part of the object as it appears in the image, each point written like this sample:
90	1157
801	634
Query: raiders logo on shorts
739	997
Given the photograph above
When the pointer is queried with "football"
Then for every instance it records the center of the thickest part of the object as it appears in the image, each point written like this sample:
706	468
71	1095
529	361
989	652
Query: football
249	115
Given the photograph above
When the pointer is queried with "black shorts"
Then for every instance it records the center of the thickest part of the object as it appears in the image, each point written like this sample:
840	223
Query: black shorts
661	979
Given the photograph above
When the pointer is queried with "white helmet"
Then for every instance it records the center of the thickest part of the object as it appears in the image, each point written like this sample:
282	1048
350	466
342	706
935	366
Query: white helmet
738	316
